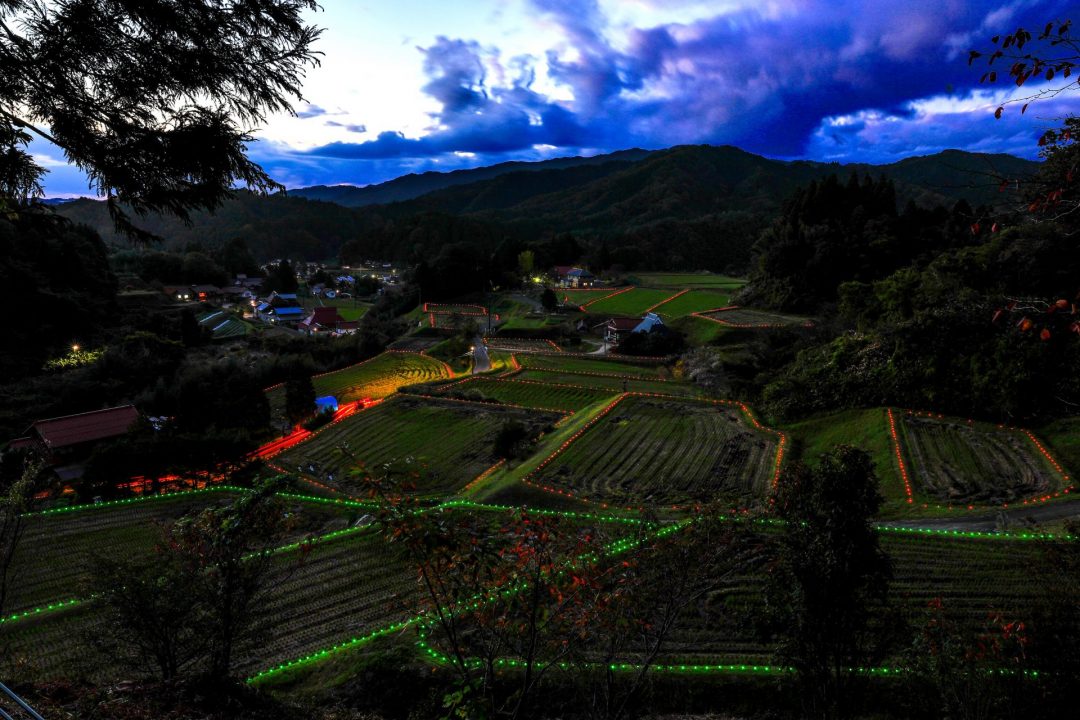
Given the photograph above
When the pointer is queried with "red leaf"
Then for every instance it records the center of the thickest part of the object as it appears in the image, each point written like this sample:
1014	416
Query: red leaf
1044	335
994	228
975	228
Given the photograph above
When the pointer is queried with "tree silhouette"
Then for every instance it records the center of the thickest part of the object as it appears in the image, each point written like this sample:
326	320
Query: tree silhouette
154	100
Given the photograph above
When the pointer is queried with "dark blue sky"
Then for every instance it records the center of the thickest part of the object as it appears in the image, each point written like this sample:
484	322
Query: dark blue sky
420	85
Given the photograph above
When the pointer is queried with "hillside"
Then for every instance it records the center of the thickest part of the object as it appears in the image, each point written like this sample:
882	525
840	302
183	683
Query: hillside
663	209
415	185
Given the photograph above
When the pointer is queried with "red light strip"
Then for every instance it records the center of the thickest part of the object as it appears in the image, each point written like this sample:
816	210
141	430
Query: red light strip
591	373
1031	436
727	323
667	300
300	435
617	292
899	456
484	476
527	478
435	308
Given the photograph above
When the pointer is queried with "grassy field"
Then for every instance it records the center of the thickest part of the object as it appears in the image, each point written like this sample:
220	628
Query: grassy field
693	302
754	318
698	330
954	461
375	378
665	451
530	394
522	345
348	308
1063	437
865	429
688	280
449	442
632	303
568	296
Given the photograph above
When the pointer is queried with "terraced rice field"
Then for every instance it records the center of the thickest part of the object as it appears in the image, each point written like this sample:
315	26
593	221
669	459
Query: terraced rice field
449	442
954	461
522	345
612	383
58	550
571	364
531	394
633	303
376	378
454	321
679	281
754	318
691	302
569	296
341	589
973	578
663	452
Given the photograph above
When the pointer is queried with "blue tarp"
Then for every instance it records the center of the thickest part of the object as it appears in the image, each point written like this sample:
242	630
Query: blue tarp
326	403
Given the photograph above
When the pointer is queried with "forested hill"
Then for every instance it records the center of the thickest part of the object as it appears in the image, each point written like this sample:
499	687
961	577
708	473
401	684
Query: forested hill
699	206
414	185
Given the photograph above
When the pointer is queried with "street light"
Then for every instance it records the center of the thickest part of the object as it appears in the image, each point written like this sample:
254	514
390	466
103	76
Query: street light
75	347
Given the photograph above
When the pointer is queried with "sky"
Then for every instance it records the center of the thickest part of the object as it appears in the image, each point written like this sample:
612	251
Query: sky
415	85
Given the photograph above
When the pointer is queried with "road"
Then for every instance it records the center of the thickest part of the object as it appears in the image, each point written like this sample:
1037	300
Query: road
1013	518
481	361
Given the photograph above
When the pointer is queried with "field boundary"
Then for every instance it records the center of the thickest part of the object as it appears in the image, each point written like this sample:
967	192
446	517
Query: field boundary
900	450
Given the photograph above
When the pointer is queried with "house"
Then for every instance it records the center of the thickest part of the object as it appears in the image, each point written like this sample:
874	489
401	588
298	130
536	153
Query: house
205	293
573	277
322	319
618	328
280	308
179	293
71	438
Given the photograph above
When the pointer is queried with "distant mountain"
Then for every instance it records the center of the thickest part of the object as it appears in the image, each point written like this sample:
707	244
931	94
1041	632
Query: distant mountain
694	181
412	186
685	207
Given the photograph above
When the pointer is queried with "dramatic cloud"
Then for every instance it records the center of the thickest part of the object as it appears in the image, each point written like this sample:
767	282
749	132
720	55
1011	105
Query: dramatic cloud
821	79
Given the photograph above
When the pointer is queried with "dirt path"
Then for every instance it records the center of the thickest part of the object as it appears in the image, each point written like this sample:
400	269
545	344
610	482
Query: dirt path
1013	518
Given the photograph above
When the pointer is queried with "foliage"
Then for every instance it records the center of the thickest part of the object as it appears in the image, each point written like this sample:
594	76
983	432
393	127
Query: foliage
658	342
15	499
511	440
549	300
74	359
281	278
155	115
66	291
828	571
299	398
196	602
970	674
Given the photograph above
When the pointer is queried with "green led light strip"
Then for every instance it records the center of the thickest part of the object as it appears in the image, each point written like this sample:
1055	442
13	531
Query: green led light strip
319	655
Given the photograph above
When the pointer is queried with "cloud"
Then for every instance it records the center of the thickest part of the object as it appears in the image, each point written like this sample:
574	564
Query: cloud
820	79
311	111
348	127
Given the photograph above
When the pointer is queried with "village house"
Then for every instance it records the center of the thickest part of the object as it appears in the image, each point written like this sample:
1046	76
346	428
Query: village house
616	329
280	308
567	276
327	320
66	442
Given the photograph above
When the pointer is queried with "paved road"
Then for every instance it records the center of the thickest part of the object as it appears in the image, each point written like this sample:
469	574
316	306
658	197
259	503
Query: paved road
481	361
1013	518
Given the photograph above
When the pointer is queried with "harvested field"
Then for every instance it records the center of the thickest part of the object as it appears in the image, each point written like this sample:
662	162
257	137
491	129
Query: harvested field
958	462
611	383
450	442
530	394
57	551
741	317
663	452
588	366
